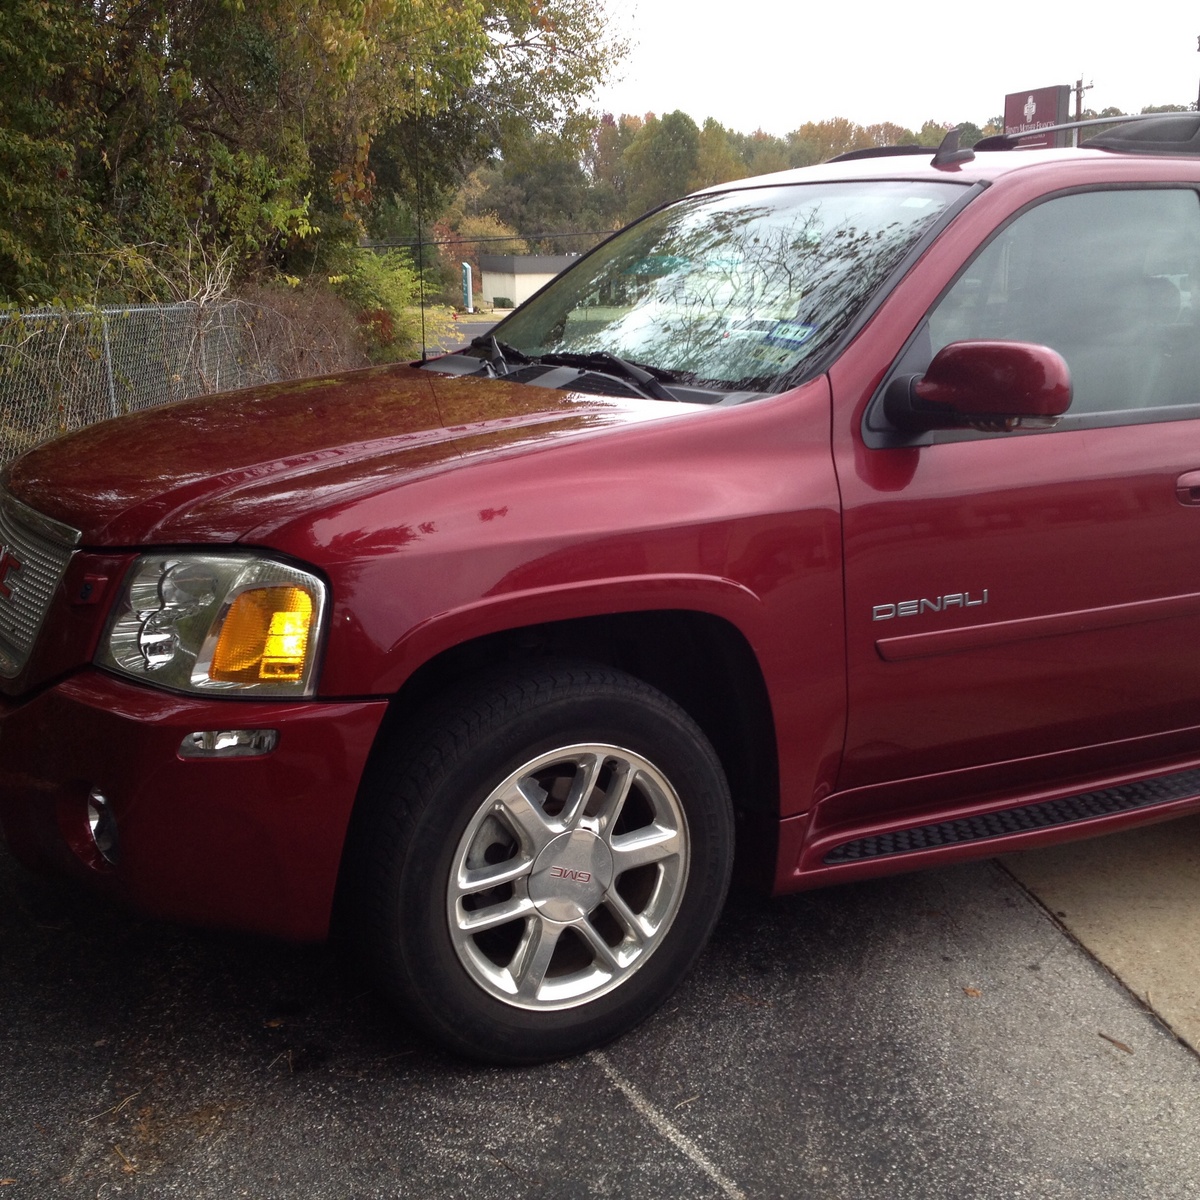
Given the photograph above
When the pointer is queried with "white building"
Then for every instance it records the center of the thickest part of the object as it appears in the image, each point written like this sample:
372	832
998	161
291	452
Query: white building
516	277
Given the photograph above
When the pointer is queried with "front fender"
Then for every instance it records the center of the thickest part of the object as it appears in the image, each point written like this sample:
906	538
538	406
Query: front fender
724	598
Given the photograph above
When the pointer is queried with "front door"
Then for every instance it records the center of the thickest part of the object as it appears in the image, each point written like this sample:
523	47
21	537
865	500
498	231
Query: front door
1014	596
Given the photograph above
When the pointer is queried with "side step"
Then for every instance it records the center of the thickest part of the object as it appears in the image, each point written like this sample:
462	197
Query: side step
1146	793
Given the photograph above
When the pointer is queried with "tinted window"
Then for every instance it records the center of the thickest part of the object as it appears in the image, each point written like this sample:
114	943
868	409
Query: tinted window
1111	280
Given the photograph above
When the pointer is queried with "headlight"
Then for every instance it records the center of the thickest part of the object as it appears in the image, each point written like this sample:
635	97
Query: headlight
231	623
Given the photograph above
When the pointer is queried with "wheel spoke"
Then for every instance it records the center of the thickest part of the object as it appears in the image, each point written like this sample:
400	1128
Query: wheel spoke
582	787
635	926
614	799
473	921
521	807
602	950
480	879
532	959
645	846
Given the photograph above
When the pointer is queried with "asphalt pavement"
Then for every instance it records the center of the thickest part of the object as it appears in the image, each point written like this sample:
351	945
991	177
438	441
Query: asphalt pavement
942	1034
464	327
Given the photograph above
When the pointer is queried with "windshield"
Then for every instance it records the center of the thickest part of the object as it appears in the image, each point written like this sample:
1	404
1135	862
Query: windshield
732	291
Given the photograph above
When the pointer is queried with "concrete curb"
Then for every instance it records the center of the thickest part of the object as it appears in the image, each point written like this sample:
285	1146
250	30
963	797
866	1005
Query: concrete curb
1132	900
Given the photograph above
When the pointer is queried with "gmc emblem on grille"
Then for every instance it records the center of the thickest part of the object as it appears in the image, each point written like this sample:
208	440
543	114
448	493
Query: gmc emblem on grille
567	873
8	563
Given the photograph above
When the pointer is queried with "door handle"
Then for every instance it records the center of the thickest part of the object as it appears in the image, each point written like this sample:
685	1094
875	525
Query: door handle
1187	488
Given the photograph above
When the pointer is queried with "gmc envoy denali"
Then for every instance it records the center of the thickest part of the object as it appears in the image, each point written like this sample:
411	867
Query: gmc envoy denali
845	519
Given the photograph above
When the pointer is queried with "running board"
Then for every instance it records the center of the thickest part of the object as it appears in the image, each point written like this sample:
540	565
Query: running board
1067	810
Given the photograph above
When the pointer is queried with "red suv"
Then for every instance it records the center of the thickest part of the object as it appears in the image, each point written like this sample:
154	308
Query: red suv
846	517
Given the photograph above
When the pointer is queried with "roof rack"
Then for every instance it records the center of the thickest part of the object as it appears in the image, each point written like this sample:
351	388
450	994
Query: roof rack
1140	133
947	154
1135	133
883	152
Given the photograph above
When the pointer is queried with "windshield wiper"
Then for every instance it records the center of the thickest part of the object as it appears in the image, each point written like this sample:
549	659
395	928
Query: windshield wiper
649	379
501	354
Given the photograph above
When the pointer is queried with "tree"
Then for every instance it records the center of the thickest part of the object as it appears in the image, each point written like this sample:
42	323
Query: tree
932	133
717	160
819	141
137	123
469	237
889	134
604	162
46	46
539	60
661	161
763	153
968	133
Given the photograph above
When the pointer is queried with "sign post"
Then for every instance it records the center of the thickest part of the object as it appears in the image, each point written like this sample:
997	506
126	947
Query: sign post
468	292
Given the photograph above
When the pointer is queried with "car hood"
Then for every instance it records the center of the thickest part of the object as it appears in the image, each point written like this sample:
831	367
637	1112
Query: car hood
238	465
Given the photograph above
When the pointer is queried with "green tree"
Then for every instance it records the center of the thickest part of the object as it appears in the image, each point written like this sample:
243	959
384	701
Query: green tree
932	133
718	160
661	161
384	290
46	48
144	123
763	153
604	162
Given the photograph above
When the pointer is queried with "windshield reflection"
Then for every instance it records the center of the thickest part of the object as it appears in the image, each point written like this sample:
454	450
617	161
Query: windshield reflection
733	291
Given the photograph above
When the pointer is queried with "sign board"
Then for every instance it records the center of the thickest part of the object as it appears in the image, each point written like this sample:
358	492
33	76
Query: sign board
468	289
1037	109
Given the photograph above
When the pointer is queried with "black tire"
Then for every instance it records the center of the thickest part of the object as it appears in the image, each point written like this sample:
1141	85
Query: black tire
539	865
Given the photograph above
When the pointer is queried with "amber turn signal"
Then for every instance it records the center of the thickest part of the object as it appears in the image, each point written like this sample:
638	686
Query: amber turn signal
264	636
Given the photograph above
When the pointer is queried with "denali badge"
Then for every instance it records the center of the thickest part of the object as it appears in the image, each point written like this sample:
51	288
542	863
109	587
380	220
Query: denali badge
8	563
911	608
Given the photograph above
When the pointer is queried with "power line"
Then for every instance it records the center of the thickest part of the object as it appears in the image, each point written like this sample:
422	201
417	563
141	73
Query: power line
408	243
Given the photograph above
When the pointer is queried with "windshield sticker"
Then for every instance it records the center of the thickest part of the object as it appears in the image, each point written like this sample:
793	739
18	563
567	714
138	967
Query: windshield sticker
790	333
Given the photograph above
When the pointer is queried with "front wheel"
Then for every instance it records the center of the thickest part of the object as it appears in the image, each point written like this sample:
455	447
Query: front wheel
544	862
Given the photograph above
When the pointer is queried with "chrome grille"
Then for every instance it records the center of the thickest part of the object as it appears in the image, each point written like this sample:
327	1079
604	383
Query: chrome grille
34	552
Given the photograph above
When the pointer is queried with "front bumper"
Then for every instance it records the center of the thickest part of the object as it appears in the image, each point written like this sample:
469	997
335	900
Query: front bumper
251	843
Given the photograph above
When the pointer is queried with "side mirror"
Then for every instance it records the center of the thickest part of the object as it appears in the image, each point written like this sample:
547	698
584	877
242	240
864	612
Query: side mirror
993	386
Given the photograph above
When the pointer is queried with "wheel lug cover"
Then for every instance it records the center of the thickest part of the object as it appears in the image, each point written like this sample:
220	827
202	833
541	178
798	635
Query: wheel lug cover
571	876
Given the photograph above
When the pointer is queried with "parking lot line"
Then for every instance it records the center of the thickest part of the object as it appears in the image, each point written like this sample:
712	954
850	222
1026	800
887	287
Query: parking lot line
666	1129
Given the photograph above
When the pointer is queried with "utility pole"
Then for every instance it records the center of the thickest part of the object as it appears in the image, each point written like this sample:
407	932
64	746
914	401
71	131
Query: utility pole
1079	89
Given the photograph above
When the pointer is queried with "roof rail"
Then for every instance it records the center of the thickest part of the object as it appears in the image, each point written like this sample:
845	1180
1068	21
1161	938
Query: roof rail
1010	141
1135	133
947	154
882	152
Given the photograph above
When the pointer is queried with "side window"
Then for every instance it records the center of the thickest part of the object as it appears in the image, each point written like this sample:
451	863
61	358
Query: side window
1109	279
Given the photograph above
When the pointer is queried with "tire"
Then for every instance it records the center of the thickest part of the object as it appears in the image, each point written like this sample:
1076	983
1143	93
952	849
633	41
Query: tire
539	865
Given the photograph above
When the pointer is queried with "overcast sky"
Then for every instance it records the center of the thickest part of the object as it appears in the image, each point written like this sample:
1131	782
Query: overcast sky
775	64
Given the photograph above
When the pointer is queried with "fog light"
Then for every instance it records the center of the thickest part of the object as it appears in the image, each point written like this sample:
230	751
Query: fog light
228	743
103	825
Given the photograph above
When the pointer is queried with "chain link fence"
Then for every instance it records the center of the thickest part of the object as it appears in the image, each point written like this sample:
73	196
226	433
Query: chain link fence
62	370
